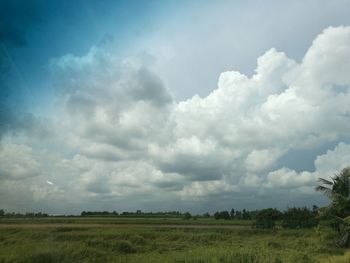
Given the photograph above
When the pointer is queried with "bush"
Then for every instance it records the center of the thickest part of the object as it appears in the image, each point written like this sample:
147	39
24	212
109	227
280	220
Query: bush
266	218
299	218
222	215
187	216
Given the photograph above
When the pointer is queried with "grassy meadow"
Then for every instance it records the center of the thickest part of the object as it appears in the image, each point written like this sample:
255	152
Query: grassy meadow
161	240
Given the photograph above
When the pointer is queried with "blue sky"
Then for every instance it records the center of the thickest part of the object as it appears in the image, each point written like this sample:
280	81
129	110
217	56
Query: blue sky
171	104
52	29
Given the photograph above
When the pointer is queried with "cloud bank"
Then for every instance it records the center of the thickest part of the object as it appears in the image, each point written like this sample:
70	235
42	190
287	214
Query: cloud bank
118	139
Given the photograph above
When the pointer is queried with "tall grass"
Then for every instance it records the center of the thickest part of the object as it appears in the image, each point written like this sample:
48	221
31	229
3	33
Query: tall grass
190	245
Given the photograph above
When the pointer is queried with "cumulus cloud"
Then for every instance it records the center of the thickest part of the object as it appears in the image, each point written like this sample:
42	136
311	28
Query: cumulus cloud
121	136
17	162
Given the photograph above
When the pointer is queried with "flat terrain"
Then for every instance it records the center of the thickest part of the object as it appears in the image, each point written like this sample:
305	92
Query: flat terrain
161	240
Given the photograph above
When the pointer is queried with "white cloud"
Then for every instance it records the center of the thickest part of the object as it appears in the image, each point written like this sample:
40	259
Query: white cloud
326	165
329	163
17	162
120	135
259	160
289	179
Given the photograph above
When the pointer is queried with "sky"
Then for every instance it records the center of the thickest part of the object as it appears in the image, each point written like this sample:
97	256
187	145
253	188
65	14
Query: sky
156	105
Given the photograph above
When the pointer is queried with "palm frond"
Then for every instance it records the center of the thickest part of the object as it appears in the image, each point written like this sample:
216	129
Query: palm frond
339	219
324	181
347	219
327	191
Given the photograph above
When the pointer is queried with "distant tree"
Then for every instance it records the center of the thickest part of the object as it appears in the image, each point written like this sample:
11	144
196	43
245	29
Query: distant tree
222	215
206	215
232	213
252	214
29	215
238	214
266	218
2	212
297	217
245	215
187	216
225	215
217	215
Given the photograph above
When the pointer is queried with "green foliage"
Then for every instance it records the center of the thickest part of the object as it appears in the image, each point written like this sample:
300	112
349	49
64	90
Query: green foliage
187	216
338	191
222	215
266	218
232	213
299	218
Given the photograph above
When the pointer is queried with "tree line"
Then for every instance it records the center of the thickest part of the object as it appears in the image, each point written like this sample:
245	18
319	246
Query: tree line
20	215
138	213
295	217
225	215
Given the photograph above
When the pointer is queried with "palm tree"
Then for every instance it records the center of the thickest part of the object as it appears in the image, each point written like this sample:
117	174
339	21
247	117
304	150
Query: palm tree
337	189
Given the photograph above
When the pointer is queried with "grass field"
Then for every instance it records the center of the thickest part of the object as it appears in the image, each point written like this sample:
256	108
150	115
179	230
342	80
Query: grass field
160	240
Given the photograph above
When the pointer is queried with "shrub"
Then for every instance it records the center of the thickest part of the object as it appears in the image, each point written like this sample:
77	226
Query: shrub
187	216
266	218
222	215
297	217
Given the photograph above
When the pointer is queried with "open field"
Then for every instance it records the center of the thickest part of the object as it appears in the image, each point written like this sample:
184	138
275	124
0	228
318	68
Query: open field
108	240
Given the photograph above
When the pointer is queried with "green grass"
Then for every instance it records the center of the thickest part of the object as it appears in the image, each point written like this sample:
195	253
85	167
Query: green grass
163	244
